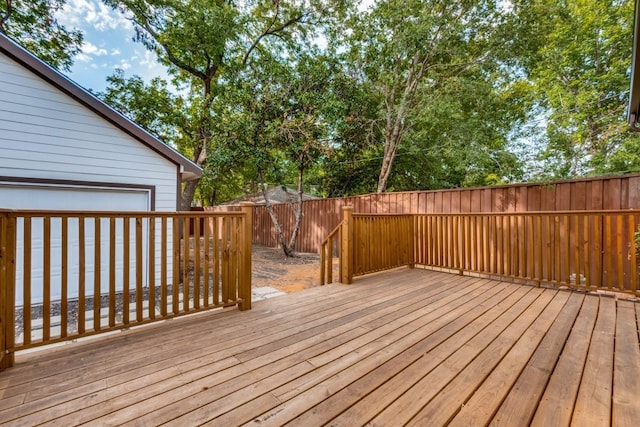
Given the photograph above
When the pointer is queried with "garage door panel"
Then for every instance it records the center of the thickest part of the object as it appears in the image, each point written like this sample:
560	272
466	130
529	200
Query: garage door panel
54	198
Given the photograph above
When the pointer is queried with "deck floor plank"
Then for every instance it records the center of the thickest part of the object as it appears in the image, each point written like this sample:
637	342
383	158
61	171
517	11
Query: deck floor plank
520	404
408	345
173	385
486	400
626	371
558	400
348	355
593	406
488	349
390	379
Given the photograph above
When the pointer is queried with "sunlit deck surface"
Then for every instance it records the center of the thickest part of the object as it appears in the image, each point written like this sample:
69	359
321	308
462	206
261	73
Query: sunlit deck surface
403	347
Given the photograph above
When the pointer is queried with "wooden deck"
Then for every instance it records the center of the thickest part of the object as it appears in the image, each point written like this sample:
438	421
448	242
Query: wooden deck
409	347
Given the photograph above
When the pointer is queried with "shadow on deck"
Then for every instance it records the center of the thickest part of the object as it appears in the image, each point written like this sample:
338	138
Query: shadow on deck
407	346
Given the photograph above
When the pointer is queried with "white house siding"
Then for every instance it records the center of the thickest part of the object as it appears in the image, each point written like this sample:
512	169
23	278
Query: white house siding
46	134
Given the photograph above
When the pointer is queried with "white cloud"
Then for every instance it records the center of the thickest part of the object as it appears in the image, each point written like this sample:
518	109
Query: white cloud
79	13
82	57
149	59
89	48
115	52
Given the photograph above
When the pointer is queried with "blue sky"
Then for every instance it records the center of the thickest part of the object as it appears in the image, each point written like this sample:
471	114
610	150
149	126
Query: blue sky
107	45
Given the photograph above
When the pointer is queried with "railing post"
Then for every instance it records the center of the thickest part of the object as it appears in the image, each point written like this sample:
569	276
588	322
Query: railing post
346	246
7	285
412	240
244	290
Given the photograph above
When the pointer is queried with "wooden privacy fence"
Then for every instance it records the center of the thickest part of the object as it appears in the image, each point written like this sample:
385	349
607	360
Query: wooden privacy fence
595	250
69	274
323	215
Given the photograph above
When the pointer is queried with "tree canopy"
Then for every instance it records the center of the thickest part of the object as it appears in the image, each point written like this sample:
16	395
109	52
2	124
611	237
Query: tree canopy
32	23
340	98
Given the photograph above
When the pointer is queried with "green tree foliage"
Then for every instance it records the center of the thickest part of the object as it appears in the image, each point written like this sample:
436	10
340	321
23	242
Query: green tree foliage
277	123
409	94
205	43
433	82
577	56
32	23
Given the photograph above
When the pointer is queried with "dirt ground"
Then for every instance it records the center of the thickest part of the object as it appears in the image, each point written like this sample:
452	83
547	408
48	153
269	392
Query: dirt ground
272	268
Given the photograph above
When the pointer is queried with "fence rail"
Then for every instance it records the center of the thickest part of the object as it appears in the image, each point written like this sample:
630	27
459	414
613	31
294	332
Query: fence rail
71	274
594	250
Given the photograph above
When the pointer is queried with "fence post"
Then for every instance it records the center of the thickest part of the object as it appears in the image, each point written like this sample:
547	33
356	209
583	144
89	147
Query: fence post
7	285
346	246
245	274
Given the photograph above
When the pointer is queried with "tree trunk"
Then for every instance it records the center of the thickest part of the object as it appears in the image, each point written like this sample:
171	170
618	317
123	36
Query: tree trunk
274	219
297	212
188	192
396	116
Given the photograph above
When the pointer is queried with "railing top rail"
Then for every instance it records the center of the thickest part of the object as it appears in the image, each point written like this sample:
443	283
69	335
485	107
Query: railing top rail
333	233
355	214
117	214
533	213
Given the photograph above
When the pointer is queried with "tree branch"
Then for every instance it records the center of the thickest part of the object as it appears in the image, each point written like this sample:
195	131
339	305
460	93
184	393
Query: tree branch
269	31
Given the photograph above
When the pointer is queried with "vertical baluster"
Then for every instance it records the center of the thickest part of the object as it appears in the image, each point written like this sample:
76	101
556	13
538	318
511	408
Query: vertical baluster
216	260
196	262
46	306
64	280
175	286
96	274
82	242
186	258
576	233
139	268
587	250
126	265
207	260
608	250
633	267
151	254
112	271
164	254
620	251
26	283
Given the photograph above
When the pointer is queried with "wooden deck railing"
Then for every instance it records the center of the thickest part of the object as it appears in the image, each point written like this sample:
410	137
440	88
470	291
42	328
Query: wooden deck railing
592	250
68	274
367	243
328	248
595	250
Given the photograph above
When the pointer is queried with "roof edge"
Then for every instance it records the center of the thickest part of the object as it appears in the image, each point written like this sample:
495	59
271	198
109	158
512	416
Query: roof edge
11	48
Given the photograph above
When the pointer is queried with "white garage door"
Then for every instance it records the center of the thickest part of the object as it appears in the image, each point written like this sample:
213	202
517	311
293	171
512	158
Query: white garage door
13	196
